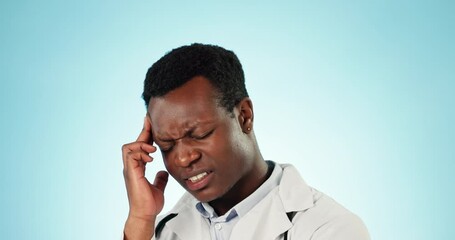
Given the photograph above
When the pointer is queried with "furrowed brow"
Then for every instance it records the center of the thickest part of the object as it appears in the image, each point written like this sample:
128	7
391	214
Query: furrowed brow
186	133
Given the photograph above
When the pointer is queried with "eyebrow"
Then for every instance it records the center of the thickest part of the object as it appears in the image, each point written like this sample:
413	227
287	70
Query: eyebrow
166	140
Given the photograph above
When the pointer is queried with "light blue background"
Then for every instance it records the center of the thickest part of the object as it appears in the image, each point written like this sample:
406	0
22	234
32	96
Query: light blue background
359	95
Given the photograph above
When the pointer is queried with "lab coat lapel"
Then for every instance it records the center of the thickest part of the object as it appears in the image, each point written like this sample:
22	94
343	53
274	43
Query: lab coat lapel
189	225
268	219
294	193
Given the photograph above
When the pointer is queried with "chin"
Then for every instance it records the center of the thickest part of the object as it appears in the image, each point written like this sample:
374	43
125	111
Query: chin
205	196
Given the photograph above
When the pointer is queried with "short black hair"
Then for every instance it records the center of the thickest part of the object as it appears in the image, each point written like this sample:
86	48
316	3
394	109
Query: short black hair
220	66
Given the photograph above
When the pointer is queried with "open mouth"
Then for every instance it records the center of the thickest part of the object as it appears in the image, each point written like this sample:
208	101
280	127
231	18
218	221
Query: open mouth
198	177
199	181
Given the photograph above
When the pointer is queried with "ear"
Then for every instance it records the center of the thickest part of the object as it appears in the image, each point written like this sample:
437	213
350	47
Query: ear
246	115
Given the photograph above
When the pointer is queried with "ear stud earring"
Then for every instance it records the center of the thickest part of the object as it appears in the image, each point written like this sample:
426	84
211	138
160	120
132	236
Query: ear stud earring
249	129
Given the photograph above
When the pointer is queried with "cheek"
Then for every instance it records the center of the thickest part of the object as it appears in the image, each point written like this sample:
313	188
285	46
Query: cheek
229	156
219	148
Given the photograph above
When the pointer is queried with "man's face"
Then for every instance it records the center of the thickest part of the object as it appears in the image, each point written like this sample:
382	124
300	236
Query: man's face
204	148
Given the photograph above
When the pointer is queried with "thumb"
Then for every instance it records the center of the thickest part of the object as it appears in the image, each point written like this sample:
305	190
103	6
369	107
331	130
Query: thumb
161	180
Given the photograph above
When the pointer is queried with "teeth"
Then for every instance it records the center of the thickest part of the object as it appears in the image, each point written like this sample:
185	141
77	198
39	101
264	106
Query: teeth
197	177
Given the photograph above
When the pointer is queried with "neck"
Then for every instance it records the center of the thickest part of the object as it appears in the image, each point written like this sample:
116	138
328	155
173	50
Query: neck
245	187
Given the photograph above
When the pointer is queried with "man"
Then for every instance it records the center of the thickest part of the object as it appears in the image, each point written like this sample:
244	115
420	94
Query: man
200	116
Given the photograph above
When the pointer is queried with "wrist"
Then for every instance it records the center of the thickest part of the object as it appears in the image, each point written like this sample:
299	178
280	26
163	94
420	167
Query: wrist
137	228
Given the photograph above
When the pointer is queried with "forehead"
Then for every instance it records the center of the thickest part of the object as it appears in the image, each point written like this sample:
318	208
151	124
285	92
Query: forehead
194	103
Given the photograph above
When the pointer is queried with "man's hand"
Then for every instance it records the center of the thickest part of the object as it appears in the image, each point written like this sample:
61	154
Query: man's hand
145	200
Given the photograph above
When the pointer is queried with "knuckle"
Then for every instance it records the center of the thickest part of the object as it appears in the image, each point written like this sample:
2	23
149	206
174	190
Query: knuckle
130	155
125	147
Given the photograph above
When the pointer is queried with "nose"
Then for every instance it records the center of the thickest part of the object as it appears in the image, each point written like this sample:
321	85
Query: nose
186	155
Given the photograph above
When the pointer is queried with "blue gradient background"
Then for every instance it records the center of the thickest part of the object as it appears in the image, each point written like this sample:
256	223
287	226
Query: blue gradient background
359	95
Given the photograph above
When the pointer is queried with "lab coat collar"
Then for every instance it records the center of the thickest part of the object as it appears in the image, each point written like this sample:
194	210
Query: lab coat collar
295	194
268	219
265	220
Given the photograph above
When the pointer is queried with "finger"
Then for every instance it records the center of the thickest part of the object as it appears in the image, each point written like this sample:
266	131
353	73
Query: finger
139	156
161	179
132	160
146	133
135	147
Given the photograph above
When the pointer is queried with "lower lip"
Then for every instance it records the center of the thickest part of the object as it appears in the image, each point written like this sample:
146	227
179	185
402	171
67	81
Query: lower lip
195	186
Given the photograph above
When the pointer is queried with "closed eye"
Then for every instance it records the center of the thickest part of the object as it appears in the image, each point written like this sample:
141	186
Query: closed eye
203	136
166	149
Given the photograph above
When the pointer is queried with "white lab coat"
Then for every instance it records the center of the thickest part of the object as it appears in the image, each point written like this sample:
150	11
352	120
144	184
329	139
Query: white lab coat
318	216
